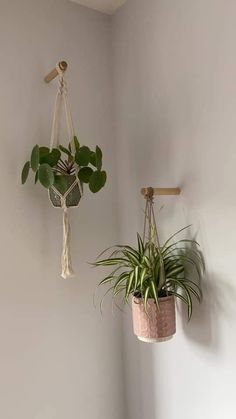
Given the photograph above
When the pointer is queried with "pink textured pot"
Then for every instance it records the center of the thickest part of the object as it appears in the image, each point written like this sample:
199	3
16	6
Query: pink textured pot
154	325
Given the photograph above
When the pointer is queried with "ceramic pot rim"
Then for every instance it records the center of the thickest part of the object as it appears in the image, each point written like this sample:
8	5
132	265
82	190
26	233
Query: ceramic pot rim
138	300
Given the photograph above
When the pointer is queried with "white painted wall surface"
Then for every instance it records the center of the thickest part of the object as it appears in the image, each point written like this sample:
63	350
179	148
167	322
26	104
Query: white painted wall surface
105	6
59	358
174	83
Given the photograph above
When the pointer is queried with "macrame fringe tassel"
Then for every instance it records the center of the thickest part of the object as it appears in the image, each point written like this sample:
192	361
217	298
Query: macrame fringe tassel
66	263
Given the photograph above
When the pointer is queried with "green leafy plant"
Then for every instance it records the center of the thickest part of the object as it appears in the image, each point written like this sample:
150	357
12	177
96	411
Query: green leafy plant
150	270
51	167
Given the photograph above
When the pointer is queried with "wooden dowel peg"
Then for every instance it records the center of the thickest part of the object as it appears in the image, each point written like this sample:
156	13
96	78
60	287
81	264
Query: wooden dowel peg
54	73
161	191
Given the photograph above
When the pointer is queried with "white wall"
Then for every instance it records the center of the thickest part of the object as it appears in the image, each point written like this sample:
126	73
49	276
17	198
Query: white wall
59	358
174	74
174	83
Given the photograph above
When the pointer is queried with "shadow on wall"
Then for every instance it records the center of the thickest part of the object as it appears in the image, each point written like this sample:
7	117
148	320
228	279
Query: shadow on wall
149	403
140	378
204	328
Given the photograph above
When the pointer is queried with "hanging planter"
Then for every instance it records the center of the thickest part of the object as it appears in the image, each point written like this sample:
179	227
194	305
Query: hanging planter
64	170
69	189
154	276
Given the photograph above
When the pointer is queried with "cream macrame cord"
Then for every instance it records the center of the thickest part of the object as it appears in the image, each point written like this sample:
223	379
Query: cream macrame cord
62	96
66	262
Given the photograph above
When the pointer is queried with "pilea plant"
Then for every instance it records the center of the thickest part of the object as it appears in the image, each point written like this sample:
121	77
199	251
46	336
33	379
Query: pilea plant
52	167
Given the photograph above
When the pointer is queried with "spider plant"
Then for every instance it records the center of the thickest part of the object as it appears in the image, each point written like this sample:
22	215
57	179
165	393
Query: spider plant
150	270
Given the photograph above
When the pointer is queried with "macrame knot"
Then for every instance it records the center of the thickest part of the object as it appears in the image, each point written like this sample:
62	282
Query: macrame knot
149	195
61	84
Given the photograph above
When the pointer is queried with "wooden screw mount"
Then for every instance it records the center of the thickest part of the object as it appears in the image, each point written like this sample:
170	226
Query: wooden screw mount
54	73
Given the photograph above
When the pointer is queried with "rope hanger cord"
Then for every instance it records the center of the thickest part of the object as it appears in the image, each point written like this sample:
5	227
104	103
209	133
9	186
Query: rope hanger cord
150	224
149	218
62	97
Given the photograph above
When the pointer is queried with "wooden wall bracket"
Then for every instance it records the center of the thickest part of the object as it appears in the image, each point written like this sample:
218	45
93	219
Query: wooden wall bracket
54	73
160	191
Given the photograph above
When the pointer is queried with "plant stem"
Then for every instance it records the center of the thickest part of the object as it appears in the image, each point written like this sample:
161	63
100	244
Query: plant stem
59	170
62	169
63	164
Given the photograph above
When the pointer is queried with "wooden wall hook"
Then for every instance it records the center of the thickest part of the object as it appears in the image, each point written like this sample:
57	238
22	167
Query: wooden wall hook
54	73
161	191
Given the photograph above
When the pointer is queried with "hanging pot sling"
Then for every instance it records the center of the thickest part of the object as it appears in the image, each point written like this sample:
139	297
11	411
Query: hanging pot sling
70	194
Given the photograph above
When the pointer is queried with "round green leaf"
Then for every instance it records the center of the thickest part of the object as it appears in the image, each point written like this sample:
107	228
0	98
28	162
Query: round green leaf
43	151
104	178
85	174
98	158
25	172
46	176
92	159
43	154
97	181
49	157
35	158
54	157
36	177
82	156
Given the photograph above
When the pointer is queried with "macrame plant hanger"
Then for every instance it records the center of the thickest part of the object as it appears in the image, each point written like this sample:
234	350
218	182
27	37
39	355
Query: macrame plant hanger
150	231
72	195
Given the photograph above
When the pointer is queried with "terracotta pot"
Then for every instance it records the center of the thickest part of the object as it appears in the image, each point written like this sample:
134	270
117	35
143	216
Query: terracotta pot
154	325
